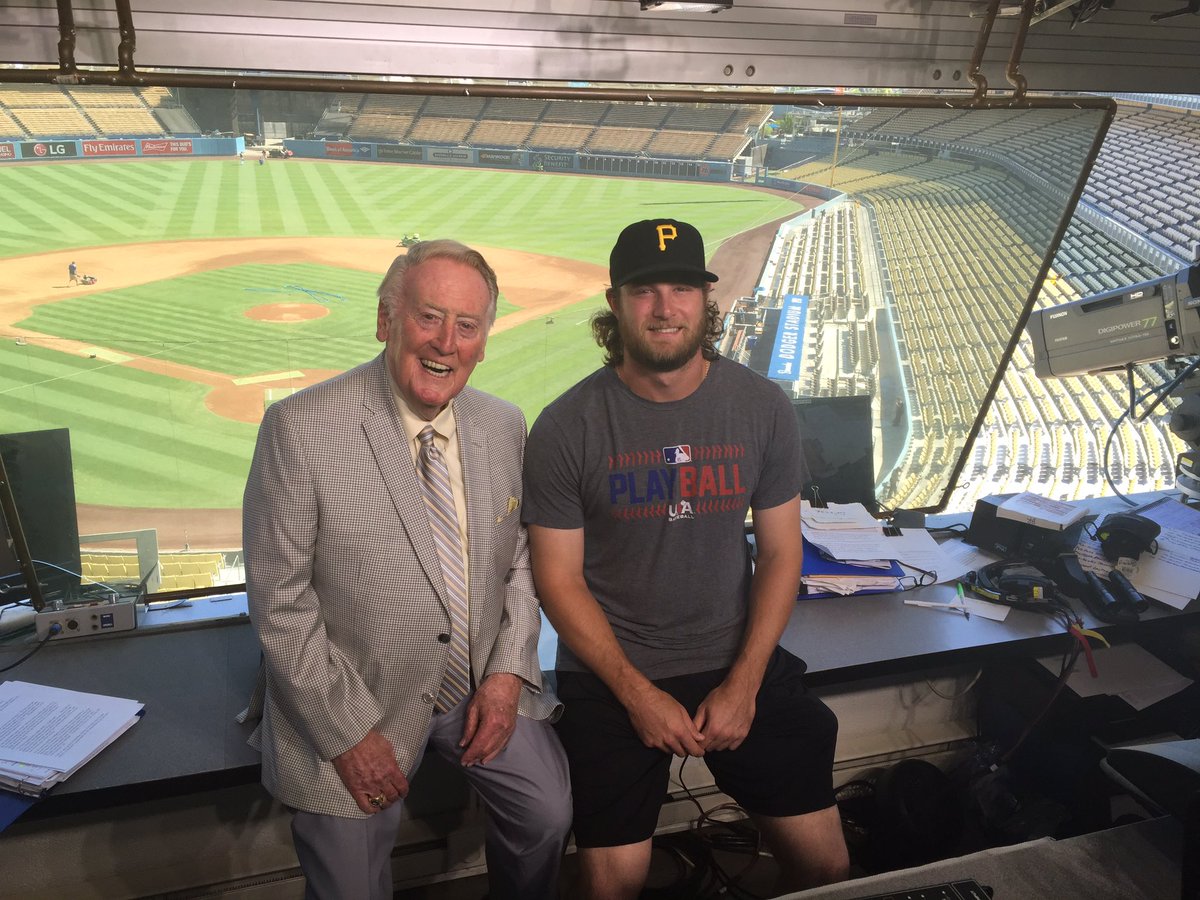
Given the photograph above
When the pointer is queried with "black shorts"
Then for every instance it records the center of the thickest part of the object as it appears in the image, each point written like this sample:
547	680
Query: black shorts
784	767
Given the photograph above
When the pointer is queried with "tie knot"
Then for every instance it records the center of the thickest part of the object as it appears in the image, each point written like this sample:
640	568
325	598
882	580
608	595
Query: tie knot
426	437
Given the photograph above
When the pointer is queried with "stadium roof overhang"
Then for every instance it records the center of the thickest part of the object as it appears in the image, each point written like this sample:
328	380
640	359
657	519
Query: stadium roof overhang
757	44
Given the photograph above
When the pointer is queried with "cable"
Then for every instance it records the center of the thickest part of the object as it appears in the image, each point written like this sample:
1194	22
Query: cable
962	693
1160	392
709	878
55	628
79	575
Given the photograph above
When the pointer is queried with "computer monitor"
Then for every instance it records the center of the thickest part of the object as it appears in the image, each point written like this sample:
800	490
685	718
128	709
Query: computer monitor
835	438
42	484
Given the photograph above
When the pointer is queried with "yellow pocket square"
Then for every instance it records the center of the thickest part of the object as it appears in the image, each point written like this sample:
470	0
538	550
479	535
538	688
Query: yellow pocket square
513	503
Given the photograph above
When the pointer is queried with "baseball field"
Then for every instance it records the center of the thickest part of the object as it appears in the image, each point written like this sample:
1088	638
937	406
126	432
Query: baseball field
221	286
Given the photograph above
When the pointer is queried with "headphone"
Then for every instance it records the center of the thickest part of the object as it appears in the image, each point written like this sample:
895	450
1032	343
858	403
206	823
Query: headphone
1019	584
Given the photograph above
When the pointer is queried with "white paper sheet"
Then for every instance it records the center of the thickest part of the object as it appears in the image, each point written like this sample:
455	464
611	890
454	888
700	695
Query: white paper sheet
56	728
838	515
1127	671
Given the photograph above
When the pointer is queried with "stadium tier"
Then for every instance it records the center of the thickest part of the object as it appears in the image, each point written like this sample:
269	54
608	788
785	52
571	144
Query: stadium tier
928	229
653	130
45	111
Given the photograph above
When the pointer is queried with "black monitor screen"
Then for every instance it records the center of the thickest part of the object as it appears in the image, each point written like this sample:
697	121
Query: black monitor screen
835	436
43	487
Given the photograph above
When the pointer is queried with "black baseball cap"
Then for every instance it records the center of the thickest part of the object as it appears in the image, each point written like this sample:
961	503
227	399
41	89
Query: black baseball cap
653	248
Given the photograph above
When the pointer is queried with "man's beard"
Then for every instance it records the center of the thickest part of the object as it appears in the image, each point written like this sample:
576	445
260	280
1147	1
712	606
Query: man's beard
640	351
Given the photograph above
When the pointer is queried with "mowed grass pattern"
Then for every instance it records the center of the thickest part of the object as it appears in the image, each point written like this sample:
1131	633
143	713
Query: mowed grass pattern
141	439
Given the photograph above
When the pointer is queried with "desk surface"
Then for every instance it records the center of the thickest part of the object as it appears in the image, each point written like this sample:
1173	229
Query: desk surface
1140	860
844	638
195	679
193	683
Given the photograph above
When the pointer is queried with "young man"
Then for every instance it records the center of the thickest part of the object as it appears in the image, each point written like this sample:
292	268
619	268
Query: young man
388	580
637	485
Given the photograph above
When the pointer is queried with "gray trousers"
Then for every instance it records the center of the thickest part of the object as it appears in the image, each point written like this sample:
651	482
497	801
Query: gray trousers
525	789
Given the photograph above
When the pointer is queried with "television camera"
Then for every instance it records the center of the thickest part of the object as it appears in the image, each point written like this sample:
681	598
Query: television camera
1154	321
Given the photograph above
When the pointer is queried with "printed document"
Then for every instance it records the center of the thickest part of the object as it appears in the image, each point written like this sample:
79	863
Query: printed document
47	733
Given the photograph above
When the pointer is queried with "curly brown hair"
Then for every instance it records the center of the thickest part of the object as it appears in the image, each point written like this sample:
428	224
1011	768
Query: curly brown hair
607	331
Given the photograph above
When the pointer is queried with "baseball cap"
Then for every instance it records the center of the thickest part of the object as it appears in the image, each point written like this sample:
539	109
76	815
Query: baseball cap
657	247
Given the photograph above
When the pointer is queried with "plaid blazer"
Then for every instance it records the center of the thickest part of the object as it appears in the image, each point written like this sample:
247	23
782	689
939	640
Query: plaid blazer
345	591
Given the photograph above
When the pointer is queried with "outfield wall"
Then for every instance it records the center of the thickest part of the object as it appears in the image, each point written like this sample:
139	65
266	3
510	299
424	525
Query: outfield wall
110	148
566	161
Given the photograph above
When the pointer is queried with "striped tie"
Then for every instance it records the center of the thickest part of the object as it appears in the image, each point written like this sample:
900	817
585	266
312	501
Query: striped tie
439	503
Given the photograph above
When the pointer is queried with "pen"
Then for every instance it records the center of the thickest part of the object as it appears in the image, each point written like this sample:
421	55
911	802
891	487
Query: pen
929	604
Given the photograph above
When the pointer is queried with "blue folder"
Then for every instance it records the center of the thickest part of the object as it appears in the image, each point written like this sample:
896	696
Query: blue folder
818	563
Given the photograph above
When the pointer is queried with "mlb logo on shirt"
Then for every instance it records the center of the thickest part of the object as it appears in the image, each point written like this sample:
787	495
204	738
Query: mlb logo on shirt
680	453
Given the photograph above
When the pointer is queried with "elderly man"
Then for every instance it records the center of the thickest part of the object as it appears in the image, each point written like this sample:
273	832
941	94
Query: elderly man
388	579
638	481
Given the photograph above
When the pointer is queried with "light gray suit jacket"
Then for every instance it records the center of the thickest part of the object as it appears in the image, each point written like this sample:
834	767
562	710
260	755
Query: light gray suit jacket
345	591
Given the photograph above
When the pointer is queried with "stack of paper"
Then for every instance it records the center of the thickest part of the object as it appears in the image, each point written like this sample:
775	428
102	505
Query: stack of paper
843	552
47	734
847	551
822	577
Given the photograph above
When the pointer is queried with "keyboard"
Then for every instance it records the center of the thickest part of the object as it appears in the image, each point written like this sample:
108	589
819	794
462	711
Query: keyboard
966	889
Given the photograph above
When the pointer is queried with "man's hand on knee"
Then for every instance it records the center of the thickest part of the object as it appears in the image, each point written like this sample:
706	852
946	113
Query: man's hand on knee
370	773
491	718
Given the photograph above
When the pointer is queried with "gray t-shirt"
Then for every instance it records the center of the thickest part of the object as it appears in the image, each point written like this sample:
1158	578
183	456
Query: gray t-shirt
661	491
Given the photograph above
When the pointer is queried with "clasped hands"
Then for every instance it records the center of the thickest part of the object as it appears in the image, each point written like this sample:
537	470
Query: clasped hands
722	720
374	779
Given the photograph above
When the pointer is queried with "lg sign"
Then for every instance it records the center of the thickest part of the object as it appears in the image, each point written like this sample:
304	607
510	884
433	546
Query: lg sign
49	149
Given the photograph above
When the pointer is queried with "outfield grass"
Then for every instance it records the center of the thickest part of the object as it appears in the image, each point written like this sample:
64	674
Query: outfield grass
146	440
62	205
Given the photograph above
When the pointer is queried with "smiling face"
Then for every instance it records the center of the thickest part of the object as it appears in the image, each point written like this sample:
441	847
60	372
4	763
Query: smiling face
436	333
662	324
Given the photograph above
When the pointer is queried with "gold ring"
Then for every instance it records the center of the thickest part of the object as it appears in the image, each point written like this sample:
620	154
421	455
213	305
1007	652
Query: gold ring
377	801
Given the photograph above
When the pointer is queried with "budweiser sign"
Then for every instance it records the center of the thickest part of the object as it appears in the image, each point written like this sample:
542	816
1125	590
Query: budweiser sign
161	147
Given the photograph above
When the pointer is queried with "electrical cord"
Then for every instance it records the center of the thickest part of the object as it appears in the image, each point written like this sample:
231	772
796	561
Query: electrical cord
962	693
55	628
1160	392
1069	658
79	575
695	848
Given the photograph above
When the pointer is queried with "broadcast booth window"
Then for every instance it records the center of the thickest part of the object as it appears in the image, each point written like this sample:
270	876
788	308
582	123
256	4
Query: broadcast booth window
174	260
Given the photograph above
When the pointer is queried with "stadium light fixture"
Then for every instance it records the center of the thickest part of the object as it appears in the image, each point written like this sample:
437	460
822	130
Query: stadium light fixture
711	6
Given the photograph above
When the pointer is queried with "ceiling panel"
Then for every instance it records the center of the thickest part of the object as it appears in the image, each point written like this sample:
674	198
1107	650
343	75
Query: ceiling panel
880	43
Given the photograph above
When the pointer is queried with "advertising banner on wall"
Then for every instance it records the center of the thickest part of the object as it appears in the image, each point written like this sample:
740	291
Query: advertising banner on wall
399	151
441	154
8	151
49	149
554	160
166	147
339	149
497	158
109	148
785	356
